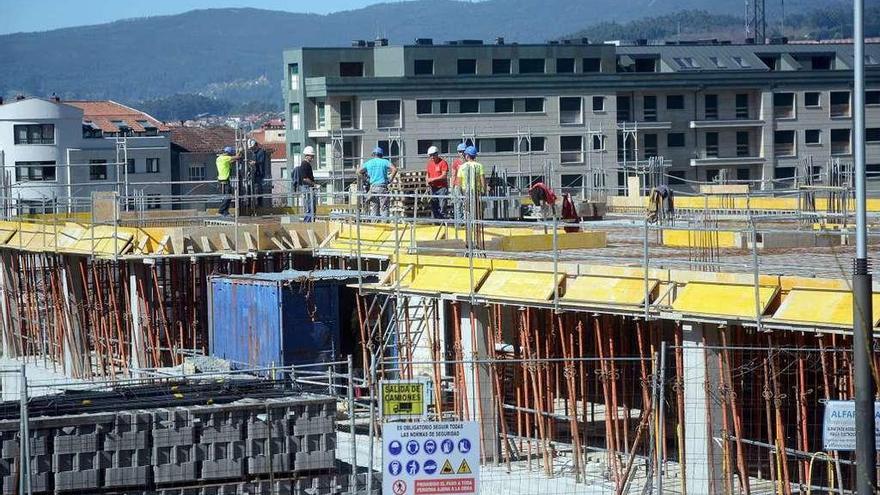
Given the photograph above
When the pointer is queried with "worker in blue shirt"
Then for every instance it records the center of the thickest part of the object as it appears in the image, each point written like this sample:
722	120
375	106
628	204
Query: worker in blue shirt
378	172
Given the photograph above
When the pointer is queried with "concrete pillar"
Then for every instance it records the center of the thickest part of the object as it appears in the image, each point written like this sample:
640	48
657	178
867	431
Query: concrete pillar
768	143
702	411
478	378
137	347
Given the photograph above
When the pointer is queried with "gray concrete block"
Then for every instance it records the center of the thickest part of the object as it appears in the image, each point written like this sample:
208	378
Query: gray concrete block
71	444
260	464
40	483
127	440
176	473
77	480
223	469
225	433
127	476
313	426
314	461
165	437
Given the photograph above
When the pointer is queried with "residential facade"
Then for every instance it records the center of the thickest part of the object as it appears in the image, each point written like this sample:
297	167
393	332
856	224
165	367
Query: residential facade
574	112
54	154
194	153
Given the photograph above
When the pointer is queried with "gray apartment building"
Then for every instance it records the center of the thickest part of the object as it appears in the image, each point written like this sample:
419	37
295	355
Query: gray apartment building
580	112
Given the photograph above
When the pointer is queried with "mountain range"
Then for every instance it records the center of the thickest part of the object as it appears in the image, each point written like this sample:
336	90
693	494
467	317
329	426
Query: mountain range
235	54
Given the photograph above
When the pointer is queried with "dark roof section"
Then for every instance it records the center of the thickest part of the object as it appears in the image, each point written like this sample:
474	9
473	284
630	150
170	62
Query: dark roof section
202	139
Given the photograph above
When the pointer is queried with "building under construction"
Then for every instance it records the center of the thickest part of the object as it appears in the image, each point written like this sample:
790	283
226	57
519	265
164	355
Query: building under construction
643	348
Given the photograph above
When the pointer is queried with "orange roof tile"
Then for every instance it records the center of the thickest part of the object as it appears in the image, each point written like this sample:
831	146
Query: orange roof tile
107	115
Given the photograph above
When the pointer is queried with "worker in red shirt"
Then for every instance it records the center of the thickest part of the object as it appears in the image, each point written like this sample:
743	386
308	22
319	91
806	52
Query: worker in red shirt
438	181
543	197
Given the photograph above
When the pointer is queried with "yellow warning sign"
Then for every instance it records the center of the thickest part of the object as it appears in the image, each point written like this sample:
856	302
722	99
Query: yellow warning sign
447	468
463	468
403	398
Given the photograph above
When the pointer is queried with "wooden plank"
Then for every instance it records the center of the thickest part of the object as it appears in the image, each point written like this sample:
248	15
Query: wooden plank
249	241
224	242
162	248
206	244
313	238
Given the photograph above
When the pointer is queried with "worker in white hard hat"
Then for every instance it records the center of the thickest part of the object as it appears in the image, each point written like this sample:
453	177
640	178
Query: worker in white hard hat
304	182
437	179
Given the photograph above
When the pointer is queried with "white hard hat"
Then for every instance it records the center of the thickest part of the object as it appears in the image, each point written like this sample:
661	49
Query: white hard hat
251	143
308	150
433	150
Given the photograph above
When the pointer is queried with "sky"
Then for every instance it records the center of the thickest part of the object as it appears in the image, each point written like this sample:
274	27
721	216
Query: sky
28	15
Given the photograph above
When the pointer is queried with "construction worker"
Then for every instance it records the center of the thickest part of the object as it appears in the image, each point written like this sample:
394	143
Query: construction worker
225	163
543	198
378	172
303	180
437	171
257	171
470	175
457	200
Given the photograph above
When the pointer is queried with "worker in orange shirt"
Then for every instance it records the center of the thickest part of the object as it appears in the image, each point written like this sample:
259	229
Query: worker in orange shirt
438	181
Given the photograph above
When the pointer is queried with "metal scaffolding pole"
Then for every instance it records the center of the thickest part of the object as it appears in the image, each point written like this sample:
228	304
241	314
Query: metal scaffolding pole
866	459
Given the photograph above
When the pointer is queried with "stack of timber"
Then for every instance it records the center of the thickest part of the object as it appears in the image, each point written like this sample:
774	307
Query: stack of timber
410	185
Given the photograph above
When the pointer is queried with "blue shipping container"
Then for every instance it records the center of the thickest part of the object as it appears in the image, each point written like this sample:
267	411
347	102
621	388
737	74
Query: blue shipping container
277	319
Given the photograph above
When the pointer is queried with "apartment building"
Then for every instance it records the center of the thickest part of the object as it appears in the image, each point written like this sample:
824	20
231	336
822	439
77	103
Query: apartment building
54	154
575	110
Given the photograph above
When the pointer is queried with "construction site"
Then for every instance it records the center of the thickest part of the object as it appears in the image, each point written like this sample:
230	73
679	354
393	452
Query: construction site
649	346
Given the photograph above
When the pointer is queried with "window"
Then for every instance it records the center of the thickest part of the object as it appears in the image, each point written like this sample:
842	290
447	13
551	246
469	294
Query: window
784	172
532	144
675	102
387	113
467	66
392	149
650	147
872	135
34	171
91	131
153	202
152	165
771	61
351	69
686	63
564	65
712	174
650	108
598	142
348	158
742	144
711	145
646	64
872	97
295	149
504	145
97	169
571	149
534	104
783	105
675	140
423	107
811	99
346	114
718	63
592	64
34	134
469	106
821	62
570	110
293	71
570	181
711	107
676	177
423	67
531	66
812	136
294	116
743	174
500	66
321	109
840	142
130	166
196	171
742	106
741	63
503	105
839	102
784	143
444	106
598	104
624	108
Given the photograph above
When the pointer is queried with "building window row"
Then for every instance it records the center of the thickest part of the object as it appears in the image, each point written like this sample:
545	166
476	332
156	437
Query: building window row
474	105
34	133
502	66
34	171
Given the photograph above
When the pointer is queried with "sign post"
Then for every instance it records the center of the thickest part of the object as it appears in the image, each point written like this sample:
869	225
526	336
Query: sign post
431	458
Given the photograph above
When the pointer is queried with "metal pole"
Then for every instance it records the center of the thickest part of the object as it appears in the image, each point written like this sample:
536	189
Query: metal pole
866	458
661	424
24	466
354	464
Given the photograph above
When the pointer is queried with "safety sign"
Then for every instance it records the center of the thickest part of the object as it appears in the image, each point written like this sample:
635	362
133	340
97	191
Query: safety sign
839	425
403	399
425	458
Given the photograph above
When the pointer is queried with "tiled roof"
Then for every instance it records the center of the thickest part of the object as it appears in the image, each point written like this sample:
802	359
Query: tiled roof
108	115
202	139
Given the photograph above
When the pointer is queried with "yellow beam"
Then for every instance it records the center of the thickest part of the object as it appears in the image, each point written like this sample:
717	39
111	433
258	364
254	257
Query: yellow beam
512	284
821	306
607	290
730	300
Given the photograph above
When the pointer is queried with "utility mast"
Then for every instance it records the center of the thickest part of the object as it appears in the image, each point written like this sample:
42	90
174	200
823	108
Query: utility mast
756	23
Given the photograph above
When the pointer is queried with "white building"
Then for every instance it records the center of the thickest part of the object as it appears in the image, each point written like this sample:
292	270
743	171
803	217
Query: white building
54	154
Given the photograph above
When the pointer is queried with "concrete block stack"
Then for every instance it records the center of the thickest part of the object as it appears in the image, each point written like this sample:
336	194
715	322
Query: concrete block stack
78	456
222	441
41	460
128	447
313	441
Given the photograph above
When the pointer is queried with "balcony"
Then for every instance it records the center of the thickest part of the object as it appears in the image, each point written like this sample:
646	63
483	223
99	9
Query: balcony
725	124
727	161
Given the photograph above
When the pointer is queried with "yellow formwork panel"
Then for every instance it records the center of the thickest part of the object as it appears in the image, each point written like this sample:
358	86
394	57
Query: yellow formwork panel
687	238
512	284
544	242
366	233
607	290
821	307
449	279
421	260
729	300
788	283
736	202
